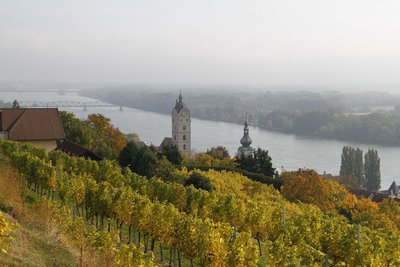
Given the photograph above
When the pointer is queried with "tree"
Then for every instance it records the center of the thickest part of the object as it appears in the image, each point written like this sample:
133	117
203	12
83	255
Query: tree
172	154
372	170
140	160
145	162
352	164
166	171
310	187
132	137
218	152
108	141
199	181
128	154
76	130
15	104
258	162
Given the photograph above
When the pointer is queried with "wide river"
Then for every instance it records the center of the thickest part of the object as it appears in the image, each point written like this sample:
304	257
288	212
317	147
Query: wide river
289	152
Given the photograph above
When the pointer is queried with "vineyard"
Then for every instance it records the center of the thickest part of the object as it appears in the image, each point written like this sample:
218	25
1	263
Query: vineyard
150	222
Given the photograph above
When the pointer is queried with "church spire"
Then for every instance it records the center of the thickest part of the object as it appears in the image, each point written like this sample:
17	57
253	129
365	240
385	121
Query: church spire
180	96
245	150
246	140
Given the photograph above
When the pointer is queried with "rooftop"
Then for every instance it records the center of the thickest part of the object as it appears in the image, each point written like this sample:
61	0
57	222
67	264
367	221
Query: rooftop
29	124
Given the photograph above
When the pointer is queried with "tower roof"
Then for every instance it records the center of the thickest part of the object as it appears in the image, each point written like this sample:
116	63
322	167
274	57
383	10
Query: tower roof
394	189
179	106
246	140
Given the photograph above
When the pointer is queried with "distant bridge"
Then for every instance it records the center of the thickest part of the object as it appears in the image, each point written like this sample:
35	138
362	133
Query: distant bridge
66	104
61	91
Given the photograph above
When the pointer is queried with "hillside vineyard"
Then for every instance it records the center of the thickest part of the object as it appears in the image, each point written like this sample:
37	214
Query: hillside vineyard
241	223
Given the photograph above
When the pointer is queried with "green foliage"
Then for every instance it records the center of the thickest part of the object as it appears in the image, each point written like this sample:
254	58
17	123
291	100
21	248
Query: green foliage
276	182
128	154
199	182
76	130
145	162
15	104
372	170
171	152
95	133
108	141
258	162
367	173
166	171
352	164
140	160
373	128
132	137
218	152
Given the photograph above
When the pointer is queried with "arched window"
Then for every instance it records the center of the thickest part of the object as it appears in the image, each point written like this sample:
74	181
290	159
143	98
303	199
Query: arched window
184	137
174	137
184	147
184	127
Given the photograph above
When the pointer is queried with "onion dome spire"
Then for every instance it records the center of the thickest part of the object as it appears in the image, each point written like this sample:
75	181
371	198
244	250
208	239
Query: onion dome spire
179	105
180	96
246	140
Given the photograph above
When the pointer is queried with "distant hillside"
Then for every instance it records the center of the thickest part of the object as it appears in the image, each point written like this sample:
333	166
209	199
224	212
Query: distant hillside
362	117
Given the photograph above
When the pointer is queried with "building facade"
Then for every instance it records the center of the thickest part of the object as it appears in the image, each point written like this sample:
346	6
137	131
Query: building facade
181	126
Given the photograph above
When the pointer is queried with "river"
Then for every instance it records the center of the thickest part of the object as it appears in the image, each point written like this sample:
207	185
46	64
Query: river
288	151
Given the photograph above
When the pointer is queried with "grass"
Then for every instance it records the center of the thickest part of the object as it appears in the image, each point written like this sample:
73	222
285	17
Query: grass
32	244
34	247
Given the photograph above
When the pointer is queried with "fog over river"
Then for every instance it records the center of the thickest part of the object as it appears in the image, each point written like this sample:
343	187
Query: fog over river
291	152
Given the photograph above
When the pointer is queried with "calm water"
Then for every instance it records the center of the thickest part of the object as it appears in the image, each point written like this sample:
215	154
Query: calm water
291	152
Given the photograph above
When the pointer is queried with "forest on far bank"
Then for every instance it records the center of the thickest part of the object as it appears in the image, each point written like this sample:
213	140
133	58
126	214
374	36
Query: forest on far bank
368	117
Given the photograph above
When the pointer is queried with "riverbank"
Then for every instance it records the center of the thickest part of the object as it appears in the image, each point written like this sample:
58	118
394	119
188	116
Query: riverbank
305	119
287	150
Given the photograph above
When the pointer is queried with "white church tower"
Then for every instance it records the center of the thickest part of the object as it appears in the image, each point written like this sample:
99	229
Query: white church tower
181	133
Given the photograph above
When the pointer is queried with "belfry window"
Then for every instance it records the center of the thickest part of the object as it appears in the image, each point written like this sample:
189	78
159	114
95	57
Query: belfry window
184	137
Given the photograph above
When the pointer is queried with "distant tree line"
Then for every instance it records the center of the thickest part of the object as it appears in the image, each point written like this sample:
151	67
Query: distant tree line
374	128
329	115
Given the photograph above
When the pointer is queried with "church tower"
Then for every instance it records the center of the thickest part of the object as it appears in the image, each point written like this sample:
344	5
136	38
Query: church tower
181	133
245	150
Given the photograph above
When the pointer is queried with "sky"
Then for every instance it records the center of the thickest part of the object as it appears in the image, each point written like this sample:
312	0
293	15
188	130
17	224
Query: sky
333	45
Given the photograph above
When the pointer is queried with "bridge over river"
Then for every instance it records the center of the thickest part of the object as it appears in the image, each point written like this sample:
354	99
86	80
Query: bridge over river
66	104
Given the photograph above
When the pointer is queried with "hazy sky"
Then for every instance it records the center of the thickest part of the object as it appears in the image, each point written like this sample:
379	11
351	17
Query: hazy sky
334	44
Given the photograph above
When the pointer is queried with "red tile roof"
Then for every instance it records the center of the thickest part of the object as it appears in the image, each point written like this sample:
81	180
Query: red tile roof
29	124
76	150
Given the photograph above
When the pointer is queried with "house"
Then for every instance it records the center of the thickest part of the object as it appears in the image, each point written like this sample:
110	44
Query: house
76	150
41	127
166	142
393	190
